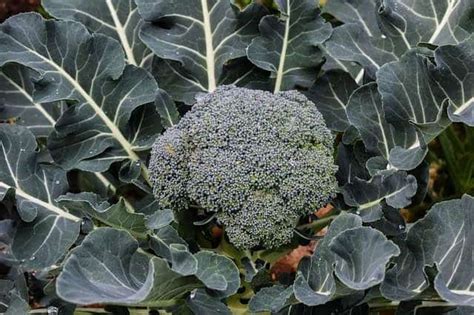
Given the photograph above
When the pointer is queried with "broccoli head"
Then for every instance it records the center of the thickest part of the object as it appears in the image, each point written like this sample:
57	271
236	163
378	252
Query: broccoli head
257	160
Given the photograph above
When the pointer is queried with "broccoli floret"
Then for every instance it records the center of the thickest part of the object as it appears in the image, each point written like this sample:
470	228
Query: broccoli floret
256	159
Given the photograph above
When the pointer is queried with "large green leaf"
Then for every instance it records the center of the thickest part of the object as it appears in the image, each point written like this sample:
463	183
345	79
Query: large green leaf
442	238
362	12
46	231
379	32
287	46
357	255
118	19
395	189
362	254
271	299
117	215
218	272
411	96
16	96
315	283
200	302
89	70
350	42
201	35
109	268
437	22
454	73
366	113
331	93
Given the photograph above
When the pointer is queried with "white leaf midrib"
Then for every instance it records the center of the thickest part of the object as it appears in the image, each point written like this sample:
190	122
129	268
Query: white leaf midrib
50	207
284	48
210	58
452	4
121	33
29	98
116	133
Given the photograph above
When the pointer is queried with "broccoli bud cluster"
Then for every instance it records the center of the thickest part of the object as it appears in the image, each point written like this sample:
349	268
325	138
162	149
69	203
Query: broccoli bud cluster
256	159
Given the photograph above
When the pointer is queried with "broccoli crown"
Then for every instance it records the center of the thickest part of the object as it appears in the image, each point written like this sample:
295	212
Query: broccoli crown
258	160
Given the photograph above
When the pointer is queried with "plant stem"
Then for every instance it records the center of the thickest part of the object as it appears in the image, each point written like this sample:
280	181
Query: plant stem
318	224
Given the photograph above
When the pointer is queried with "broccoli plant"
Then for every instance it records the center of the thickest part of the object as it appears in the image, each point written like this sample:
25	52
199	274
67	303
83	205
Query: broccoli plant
258	160
235	157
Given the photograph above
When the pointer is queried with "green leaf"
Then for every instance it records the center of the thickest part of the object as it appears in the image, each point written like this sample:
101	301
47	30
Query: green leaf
200	302
396	189
271	299
218	272
437	22
287	46
361	256
16	93
202	36
89	70
399	26
366	113
453	72
108	268
159	219
411	96
442	238
350	42
17	305
361	12
331	93
46	230
167	243
167	109
118	19
115	215
315	283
